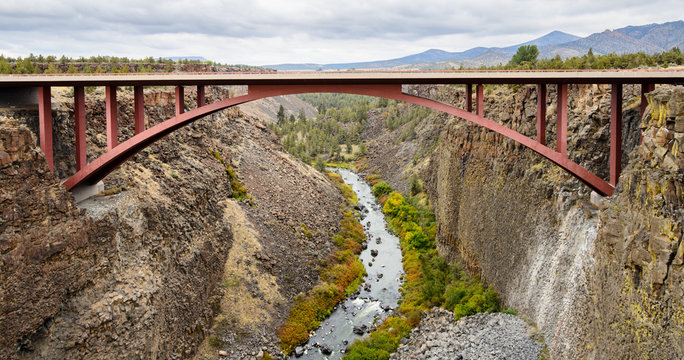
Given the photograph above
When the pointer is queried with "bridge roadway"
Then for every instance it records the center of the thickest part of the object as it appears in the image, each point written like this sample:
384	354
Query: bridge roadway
673	76
387	84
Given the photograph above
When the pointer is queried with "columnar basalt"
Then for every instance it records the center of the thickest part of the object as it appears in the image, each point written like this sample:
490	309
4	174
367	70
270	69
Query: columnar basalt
167	262
532	231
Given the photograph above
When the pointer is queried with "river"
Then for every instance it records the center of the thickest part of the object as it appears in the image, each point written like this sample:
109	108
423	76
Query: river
377	297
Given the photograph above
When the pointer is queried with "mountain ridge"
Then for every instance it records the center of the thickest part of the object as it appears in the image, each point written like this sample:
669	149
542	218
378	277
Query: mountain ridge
650	38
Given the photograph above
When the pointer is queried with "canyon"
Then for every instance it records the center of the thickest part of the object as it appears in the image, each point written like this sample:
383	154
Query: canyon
175	260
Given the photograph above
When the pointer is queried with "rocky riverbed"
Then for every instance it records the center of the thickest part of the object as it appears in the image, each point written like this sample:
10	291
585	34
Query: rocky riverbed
481	336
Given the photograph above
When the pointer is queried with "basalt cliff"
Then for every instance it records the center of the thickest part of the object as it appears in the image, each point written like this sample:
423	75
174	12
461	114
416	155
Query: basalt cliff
601	279
197	246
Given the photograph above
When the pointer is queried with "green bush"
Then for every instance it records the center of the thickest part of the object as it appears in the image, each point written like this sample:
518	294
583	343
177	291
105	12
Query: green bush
381	188
429	279
341	276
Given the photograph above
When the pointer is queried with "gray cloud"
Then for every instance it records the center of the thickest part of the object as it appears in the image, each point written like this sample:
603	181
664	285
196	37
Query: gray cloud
261	31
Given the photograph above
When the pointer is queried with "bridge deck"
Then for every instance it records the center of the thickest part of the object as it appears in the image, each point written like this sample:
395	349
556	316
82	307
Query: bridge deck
674	76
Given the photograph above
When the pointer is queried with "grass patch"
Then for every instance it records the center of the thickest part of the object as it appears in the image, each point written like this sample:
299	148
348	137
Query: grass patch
341	276
239	190
346	190
344	165
216	342
429	280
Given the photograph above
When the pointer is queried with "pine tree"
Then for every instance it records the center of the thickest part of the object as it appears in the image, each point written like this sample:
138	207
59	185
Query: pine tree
525	54
5	67
281	115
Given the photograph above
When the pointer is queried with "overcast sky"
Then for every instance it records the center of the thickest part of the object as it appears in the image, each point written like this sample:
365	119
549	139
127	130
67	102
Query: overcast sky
258	32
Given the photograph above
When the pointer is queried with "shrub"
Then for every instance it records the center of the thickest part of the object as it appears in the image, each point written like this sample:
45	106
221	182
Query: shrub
381	188
429	279
340	277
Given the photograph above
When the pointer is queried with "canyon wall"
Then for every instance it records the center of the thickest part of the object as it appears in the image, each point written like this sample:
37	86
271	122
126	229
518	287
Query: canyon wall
530	230
174	259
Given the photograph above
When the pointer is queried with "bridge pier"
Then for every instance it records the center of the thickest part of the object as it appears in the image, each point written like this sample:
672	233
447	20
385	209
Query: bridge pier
45	123
180	100
200	96
469	97
85	191
80	127
615	133
562	120
541	113
480	100
111	113
139	109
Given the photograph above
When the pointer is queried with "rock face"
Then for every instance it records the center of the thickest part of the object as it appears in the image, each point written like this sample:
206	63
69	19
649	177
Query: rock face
638	280
529	229
49	249
169	266
480	336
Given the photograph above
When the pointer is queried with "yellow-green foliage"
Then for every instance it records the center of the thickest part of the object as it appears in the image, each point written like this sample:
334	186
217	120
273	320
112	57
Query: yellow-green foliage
239	190
373	179
346	190
381	188
340	277
344	165
429	279
382	342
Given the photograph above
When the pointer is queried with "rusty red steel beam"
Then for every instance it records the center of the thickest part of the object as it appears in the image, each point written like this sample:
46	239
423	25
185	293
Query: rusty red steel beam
562	120
615	133
80	127
102	166
180	100
541	114
139	109
469	97
45	123
480	100
201	99
111	114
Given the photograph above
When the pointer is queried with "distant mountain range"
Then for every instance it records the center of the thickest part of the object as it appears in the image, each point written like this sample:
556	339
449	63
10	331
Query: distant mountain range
646	38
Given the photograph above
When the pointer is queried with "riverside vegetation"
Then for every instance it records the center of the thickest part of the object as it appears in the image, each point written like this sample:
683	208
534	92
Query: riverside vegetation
429	281
340	276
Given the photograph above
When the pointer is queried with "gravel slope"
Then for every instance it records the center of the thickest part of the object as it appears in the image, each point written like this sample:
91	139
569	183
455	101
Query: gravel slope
480	336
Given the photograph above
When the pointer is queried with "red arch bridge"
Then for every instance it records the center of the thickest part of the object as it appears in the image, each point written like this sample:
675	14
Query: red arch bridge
386	84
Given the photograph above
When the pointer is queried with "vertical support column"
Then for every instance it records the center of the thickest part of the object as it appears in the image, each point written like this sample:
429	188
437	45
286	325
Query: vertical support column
111	112
180	100
139	109
541	114
480	100
45	123
200	96
645	88
80	127
615	133
469	97
562	120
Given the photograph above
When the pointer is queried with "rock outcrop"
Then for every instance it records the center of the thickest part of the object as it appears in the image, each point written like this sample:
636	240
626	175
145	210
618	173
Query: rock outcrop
637	282
168	263
530	230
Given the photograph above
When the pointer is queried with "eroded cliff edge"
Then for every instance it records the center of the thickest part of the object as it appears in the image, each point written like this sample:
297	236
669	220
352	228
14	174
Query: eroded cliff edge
170	264
531	231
